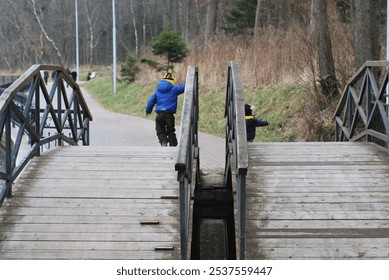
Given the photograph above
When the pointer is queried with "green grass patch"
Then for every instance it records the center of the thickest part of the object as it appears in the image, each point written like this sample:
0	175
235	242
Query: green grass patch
129	99
280	105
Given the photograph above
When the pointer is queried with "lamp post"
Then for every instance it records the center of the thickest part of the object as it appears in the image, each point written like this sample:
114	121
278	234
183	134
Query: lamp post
77	46
114	45
387	55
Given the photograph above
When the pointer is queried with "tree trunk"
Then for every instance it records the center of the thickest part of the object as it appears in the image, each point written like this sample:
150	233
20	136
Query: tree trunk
170	13
91	34
324	48
210	24
257	25
367	43
363	47
43	30
144	25
135	29
187	22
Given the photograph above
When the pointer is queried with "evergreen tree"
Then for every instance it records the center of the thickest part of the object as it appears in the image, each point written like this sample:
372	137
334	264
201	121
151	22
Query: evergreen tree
129	69
170	45
241	18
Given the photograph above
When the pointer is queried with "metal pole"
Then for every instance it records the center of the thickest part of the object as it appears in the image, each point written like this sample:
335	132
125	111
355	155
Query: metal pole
77	45
387	30
387	54
114	45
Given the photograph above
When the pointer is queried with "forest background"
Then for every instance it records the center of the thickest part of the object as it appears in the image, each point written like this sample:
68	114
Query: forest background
295	56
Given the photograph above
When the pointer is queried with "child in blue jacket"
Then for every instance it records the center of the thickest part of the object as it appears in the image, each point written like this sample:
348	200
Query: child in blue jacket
252	122
165	98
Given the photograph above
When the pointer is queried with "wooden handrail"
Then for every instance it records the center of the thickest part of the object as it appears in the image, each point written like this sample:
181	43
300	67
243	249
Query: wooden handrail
187	165
30	118
356	77
362	112
236	146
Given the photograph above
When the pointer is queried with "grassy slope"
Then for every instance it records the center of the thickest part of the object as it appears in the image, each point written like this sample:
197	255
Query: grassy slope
280	105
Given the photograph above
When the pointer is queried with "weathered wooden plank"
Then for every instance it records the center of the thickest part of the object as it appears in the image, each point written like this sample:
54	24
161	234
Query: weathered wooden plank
319	233
90	254
317	188
319	223
320	207
90	203
92	236
83	246
103	167
313	197
88	228
98	193
342	243
156	183
83	219
97	175
317	248
321	215
317	201
94	203
129	211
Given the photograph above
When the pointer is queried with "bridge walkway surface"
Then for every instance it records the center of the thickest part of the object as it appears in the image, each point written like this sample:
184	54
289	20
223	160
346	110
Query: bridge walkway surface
94	203
114	199
317	201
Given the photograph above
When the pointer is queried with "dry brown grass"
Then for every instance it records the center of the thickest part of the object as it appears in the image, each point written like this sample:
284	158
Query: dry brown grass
276	57
263	62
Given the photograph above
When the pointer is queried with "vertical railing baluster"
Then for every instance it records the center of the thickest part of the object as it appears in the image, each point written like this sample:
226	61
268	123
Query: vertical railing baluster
8	152
32	123
57	84
367	121
37	115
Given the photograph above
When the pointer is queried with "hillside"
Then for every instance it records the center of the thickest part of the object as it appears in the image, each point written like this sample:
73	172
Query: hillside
286	107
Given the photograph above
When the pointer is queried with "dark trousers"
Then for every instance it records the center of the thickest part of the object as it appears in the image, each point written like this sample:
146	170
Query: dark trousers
165	127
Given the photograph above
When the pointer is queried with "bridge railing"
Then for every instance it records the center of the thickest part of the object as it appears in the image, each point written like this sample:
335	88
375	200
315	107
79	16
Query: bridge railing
41	118
236	148
187	163
362	112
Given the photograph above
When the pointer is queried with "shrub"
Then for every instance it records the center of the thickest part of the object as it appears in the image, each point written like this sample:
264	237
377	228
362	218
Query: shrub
129	69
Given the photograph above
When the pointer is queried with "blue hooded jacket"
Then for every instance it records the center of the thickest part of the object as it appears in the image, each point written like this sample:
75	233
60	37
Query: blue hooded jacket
165	97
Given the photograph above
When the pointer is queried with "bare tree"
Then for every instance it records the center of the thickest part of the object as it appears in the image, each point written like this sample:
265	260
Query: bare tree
211	20
92	14
144	23
367	43
135	28
257	18
324	48
44	32
363	47
15	44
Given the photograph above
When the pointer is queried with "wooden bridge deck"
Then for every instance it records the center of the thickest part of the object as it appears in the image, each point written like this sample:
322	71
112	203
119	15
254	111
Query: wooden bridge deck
317	201
94	203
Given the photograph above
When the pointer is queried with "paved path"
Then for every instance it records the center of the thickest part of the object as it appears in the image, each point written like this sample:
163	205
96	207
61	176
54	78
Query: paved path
115	129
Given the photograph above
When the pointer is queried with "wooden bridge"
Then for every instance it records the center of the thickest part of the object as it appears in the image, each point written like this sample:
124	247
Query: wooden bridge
317	201
94	203
292	200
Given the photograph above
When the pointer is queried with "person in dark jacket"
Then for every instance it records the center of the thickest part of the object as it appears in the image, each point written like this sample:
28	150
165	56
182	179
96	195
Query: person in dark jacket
252	122
165	101
46	76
